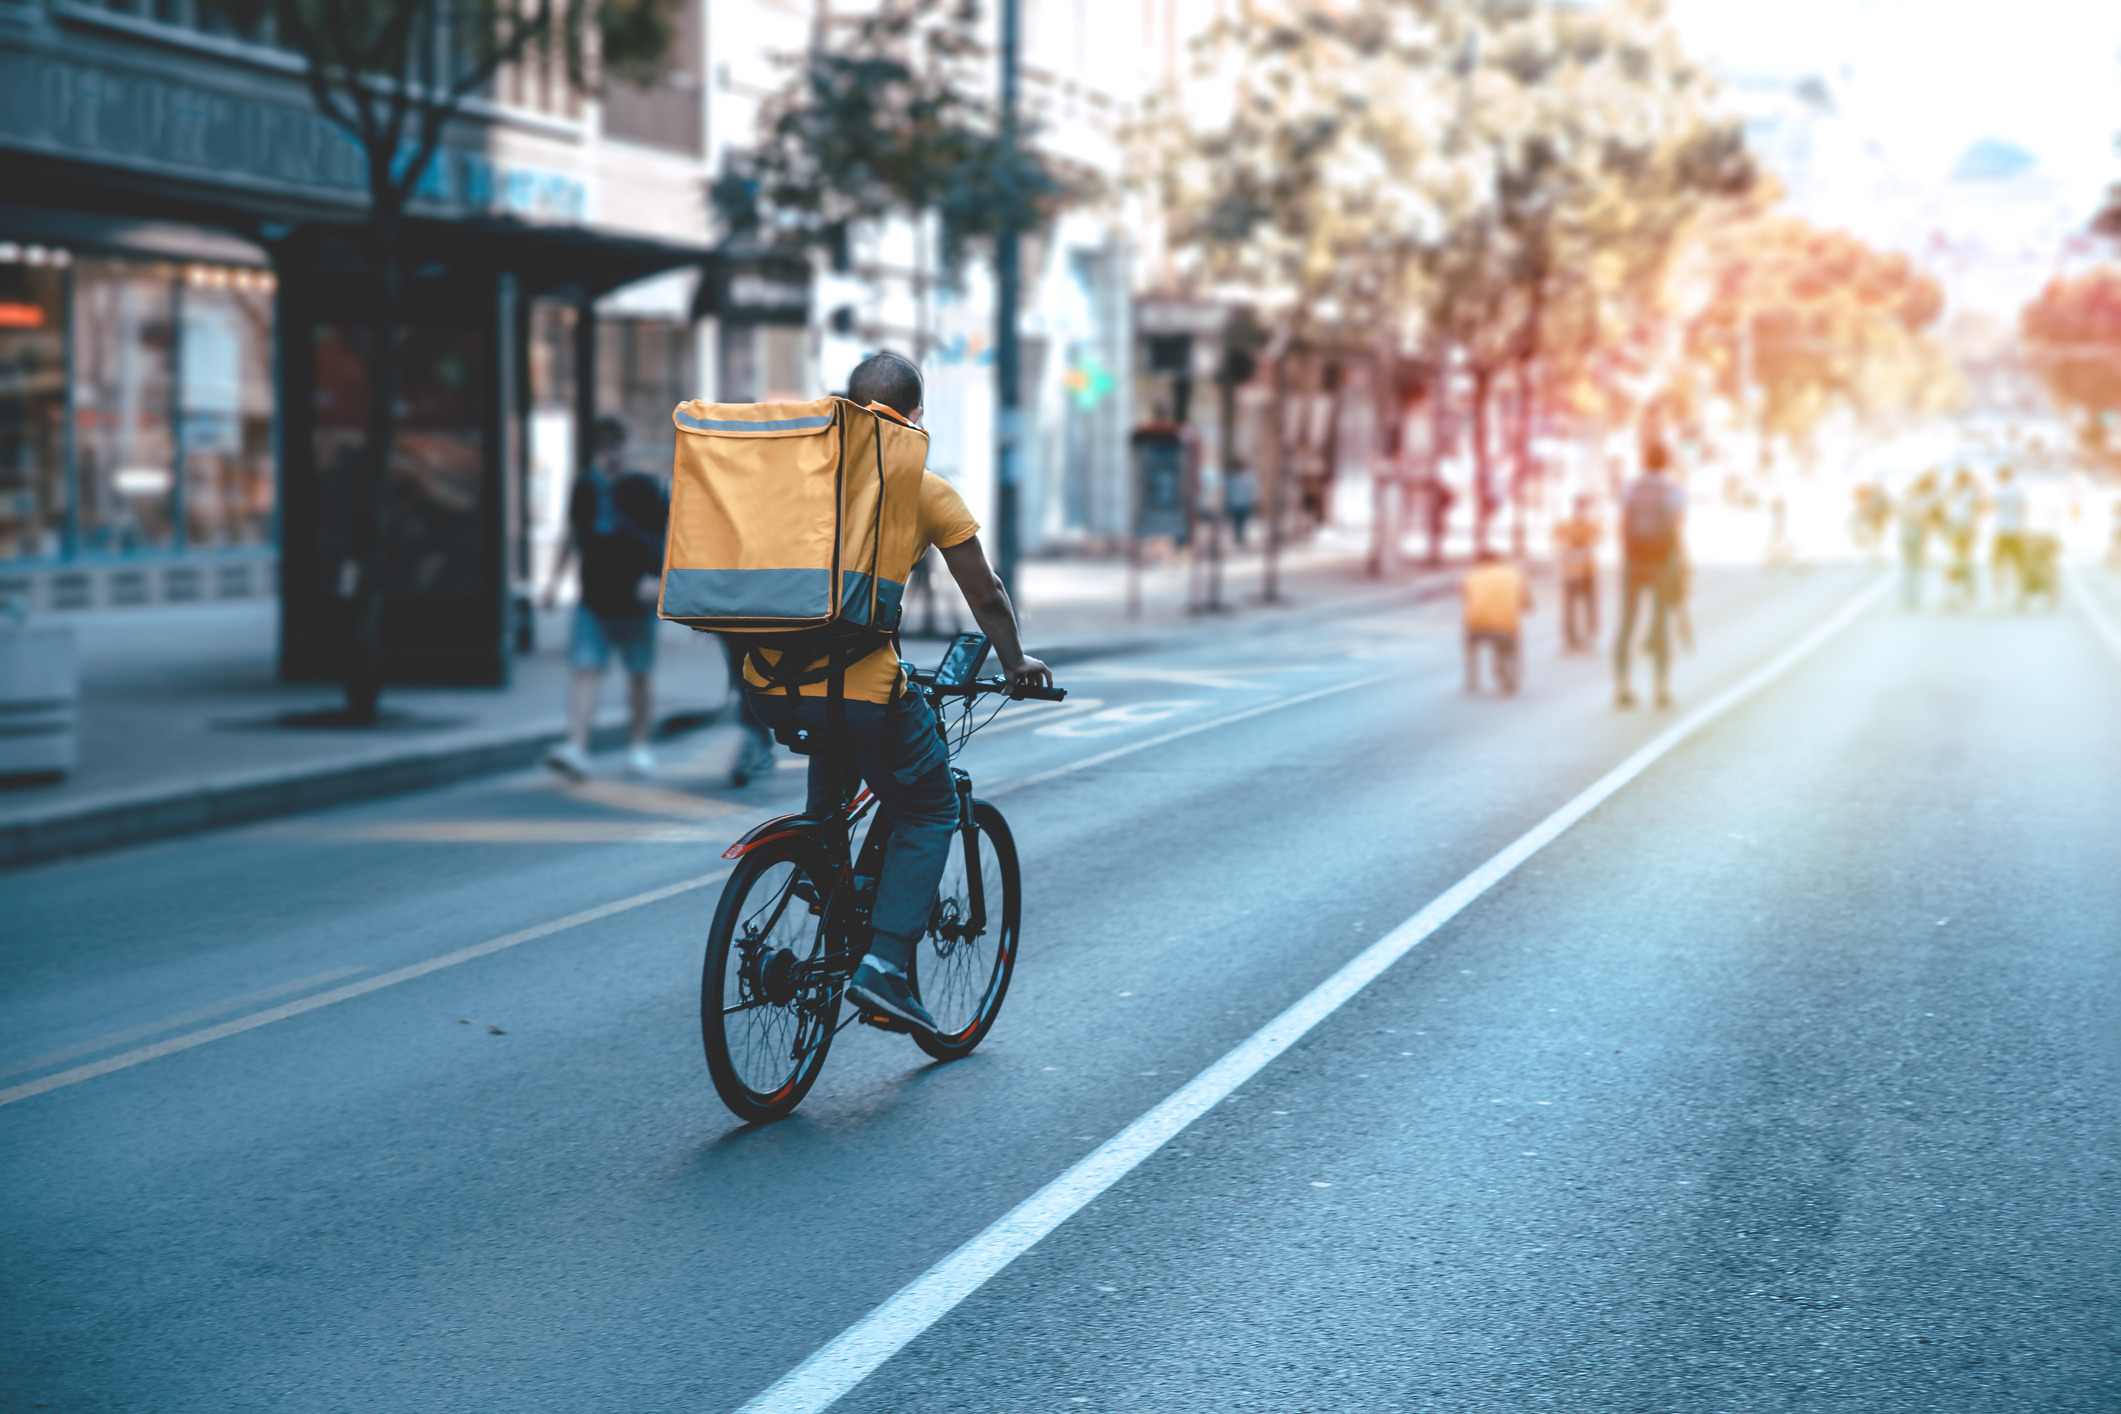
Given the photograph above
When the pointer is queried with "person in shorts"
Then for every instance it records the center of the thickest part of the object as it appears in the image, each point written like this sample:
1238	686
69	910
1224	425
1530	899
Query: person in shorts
1496	596
615	527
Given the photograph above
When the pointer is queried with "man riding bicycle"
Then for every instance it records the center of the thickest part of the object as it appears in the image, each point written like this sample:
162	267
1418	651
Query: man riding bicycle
889	737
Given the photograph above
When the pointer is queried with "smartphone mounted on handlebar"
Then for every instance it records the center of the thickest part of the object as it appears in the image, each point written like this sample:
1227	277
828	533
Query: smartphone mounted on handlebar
962	660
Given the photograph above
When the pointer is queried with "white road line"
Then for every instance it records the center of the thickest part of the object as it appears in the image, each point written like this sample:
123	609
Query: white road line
171	1023
837	1368
2088	601
351	990
1118	751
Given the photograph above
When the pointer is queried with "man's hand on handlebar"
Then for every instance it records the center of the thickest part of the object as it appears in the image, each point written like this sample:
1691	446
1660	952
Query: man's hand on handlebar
1030	672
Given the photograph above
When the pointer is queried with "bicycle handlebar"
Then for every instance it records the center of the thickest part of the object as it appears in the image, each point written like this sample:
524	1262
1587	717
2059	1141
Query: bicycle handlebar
980	687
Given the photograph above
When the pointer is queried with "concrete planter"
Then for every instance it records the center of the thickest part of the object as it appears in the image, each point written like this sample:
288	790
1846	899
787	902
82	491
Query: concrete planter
39	689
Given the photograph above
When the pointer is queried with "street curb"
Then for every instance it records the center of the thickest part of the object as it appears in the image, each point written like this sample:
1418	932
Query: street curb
118	819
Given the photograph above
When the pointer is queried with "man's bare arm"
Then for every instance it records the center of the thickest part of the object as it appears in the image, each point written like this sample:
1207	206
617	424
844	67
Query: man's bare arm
991	608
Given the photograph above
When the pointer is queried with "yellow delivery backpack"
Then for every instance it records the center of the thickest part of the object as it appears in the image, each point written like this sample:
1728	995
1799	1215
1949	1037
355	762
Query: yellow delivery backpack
793	528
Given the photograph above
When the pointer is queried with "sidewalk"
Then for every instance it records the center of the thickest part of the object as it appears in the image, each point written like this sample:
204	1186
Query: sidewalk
181	716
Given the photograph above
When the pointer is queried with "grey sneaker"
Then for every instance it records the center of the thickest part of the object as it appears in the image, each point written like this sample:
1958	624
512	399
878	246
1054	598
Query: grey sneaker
878	989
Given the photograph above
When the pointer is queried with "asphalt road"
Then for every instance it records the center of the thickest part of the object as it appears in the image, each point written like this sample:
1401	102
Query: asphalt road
1787	1079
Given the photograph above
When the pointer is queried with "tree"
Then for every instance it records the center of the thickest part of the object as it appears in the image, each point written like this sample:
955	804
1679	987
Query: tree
1303	195
1795	321
2072	333
1593	149
392	75
1498	183
889	113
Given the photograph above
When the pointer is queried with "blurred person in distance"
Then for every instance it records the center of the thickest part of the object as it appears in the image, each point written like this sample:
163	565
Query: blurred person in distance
1576	557
1652	519
1240	495
615	527
1917	510
2007	549
1959	512
1496	596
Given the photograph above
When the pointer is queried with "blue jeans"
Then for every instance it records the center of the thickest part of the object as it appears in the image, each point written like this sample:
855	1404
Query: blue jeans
896	751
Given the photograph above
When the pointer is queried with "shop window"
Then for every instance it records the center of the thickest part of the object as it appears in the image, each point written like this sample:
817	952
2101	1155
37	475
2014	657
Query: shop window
125	446
226	369
32	402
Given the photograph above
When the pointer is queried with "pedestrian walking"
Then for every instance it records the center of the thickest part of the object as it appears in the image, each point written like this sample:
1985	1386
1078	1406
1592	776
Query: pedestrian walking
1959	518
1916	510
1652	514
1496	596
1576	556
2007	549
615	526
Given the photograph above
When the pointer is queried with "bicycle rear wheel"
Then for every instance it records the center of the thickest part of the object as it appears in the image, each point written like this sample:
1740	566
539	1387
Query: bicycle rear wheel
769	991
960	975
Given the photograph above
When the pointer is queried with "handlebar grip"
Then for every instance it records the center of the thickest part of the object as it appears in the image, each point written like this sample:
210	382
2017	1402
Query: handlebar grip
1042	694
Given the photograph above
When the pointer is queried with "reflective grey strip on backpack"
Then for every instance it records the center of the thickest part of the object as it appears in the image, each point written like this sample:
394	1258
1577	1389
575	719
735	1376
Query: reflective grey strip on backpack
774	594
787	424
747	594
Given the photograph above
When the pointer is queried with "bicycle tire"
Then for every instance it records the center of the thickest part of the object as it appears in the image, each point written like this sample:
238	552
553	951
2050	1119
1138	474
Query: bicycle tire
766	1033
962	980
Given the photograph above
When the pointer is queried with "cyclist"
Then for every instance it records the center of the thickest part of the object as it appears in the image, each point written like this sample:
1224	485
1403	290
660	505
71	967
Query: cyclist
890	739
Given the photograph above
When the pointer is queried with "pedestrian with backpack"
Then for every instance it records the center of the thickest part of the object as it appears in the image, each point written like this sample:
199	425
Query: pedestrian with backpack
795	530
1652	513
615	527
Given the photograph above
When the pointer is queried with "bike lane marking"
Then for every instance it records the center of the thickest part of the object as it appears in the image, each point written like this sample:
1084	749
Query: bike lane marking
856	1352
351	990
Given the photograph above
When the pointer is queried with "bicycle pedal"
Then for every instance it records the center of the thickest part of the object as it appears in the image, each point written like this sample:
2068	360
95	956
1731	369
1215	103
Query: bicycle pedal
886	1023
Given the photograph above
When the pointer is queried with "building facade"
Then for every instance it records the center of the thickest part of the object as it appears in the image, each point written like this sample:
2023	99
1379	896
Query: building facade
173	222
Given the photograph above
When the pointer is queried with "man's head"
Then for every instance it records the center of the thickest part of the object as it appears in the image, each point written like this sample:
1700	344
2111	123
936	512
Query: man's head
2005	474
1486	556
1655	459
610	441
890	379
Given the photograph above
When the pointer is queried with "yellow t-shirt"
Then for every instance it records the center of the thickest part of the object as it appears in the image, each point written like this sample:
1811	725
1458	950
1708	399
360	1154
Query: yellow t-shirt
1495	596
944	522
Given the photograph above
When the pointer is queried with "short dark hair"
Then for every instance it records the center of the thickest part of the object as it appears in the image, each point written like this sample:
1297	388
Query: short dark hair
887	378
1656	457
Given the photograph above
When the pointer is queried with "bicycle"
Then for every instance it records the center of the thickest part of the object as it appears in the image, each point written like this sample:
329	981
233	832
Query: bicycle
793	922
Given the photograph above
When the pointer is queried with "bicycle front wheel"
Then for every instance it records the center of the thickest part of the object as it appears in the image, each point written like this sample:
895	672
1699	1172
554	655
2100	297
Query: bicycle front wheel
769	992
961	971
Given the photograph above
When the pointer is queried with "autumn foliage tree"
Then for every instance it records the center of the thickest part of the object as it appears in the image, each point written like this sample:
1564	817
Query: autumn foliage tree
1794	321
2072	335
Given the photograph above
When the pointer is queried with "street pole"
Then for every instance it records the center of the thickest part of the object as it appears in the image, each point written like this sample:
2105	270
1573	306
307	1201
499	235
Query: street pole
1008	422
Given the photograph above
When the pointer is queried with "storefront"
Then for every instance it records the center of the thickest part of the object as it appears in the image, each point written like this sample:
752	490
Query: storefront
183	326
136	412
